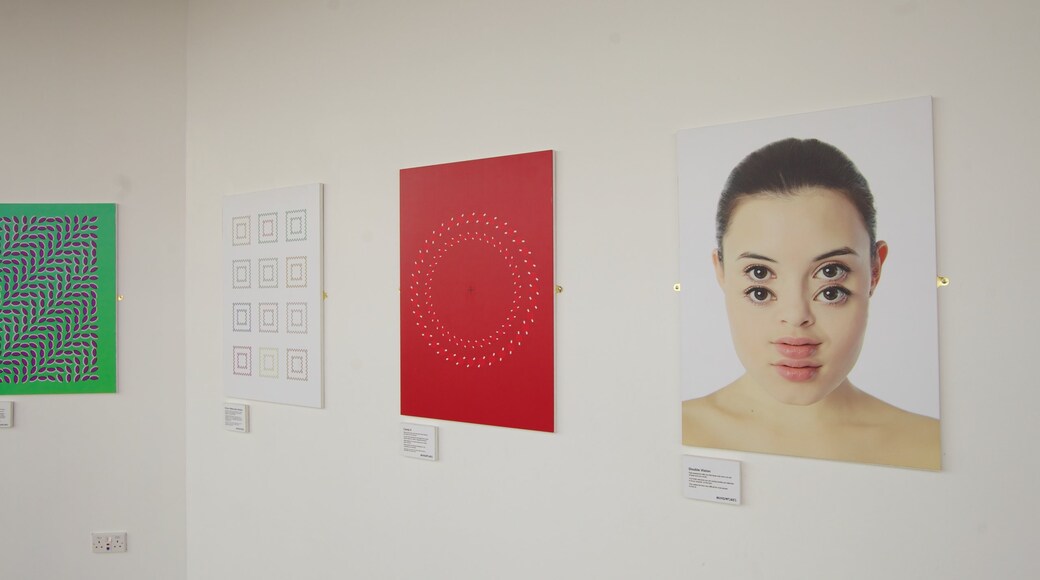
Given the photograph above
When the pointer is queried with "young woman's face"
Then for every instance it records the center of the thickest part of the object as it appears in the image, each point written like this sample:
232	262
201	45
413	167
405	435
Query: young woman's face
797	276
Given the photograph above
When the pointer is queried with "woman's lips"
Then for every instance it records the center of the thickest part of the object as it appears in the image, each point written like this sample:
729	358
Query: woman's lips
796	364
796	370
796	348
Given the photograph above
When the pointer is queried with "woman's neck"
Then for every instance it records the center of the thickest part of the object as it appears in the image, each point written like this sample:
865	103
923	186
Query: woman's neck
744	396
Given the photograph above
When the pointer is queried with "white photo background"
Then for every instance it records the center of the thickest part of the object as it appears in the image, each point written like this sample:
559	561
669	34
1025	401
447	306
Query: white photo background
891	144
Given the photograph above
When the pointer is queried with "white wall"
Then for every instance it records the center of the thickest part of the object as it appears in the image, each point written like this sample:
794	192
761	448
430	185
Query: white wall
92	110
348	92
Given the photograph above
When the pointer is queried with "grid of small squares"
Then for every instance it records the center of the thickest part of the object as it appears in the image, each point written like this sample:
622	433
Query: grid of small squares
296	360
267	269
264	273
291	223
267	319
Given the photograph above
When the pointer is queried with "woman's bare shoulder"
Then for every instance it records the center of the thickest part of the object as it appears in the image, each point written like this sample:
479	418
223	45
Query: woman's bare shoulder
705	420
898	420
919	424
911	440
700	405
918	438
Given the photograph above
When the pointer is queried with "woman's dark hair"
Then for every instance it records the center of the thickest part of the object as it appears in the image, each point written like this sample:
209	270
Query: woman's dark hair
784	167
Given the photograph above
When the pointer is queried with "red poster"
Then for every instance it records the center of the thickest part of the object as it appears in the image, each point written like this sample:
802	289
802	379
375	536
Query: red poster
477	291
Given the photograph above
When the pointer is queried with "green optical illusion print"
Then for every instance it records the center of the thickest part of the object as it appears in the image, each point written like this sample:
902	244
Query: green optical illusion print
58	300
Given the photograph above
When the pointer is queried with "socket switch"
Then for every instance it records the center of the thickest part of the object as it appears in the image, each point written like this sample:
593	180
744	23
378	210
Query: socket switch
108	542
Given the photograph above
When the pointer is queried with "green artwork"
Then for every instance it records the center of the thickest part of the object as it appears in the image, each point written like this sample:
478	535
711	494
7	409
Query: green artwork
58	298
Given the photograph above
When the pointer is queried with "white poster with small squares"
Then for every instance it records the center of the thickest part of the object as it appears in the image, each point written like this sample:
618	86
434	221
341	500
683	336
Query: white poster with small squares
272	272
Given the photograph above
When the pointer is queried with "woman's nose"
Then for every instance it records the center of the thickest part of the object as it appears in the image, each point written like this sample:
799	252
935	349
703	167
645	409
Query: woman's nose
796	312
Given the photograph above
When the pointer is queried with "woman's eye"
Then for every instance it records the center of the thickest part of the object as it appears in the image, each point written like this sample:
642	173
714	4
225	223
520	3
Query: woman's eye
758	294
758	273
833	295
832	272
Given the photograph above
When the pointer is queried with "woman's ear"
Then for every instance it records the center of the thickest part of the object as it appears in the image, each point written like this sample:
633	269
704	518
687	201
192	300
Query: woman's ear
880	253
716	260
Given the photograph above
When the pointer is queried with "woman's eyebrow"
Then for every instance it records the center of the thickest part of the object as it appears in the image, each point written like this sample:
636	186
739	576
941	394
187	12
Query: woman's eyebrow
755	257
839	252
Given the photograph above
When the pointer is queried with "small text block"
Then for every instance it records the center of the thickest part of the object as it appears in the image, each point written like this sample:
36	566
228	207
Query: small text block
708	479
236	417
6	414
419	441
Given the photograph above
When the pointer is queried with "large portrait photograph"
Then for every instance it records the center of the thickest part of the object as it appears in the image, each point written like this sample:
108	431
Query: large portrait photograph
808	286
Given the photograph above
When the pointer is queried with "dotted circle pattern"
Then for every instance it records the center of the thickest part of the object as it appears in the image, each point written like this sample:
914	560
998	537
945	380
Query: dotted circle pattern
516	323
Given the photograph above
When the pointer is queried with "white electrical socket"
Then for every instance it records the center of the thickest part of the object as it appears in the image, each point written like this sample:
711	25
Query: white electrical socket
108	542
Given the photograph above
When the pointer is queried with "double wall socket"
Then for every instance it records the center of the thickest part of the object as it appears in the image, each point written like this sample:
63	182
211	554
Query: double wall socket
108	542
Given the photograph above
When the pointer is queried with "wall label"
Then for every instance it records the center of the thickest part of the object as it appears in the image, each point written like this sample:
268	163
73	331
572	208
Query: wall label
6	414
419	441
709	479
236	417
